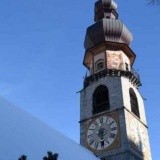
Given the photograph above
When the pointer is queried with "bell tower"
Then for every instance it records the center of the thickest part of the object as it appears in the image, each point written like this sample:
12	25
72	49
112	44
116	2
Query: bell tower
112	115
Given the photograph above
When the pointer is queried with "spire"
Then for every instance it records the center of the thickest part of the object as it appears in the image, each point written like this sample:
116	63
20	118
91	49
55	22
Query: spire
107	27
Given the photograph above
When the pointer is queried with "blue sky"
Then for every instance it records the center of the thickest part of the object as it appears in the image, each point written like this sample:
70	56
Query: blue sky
41	54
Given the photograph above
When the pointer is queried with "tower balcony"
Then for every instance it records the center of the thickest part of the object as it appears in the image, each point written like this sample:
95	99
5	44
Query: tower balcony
132	75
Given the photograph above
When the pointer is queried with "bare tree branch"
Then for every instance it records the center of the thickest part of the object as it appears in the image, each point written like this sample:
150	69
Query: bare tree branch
154	2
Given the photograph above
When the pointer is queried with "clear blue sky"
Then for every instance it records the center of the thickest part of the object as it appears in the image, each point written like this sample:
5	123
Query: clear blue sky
41	54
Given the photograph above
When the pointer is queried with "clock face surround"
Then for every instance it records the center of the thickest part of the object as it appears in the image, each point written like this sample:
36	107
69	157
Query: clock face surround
101	133
138	135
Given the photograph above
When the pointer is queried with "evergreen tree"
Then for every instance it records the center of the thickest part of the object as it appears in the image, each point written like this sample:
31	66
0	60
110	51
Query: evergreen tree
51	156
23	157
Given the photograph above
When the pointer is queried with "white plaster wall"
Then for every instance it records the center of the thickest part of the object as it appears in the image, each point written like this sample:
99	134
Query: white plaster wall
118	88
129	117
126	60
99	56
126	85
115	95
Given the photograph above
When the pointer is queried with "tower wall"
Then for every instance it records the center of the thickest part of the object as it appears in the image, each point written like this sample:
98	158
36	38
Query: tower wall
126	85
115	95
112	115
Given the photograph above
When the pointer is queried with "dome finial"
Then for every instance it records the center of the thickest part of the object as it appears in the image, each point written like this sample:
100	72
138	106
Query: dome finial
105	9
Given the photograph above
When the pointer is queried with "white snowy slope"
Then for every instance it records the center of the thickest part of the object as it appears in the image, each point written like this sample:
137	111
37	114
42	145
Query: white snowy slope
22	133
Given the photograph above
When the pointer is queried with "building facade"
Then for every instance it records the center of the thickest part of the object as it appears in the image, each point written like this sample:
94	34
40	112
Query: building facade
112	114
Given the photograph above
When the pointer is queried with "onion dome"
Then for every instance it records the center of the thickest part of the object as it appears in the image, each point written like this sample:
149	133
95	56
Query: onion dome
107	26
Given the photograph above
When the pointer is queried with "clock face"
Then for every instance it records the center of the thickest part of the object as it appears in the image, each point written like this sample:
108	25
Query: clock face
138	135
101	133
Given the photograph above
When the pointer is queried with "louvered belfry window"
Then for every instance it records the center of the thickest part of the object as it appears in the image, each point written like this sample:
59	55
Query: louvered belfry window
134	103
100	99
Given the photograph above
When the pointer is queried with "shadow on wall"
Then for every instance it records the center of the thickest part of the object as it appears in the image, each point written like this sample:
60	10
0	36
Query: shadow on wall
139	145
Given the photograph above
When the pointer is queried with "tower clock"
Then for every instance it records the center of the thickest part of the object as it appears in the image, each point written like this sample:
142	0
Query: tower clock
101	133
112	114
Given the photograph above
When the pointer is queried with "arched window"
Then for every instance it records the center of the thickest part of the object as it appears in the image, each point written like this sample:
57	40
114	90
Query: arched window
134	103
100	99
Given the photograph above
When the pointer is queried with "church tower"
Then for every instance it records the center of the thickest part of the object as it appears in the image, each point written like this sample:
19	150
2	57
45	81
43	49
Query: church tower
112	115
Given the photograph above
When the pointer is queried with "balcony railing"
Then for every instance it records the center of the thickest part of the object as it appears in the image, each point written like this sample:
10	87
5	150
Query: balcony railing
132	75
135	73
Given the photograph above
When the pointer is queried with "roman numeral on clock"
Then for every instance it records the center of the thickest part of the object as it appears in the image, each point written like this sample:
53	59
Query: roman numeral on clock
95	122
108	142
106	119
101	120
112	135
91	141
114	128
111	123
95	145
91	129
90	136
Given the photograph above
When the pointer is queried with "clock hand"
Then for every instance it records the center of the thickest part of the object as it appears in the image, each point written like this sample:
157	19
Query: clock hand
102	142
